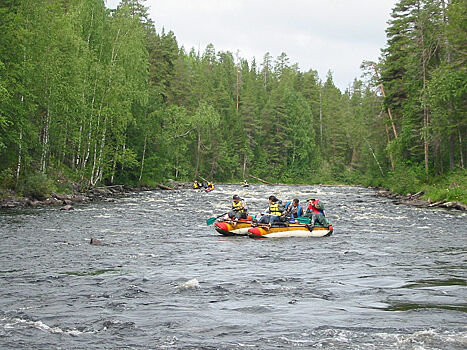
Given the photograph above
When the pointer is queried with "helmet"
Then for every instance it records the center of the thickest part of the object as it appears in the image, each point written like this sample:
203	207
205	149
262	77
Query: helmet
236	196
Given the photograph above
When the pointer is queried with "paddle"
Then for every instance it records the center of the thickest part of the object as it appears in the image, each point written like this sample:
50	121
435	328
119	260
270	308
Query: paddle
213	219
304	220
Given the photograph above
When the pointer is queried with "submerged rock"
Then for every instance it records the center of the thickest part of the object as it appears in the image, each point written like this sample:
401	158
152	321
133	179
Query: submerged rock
95	241
67	207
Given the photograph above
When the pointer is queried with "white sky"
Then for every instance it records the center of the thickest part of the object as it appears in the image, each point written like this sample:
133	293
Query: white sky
323	35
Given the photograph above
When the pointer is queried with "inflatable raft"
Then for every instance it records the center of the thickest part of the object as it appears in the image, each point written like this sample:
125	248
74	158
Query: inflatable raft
292	230
232	228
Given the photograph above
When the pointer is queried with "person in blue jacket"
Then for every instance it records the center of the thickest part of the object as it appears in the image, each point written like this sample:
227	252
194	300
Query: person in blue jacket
293	209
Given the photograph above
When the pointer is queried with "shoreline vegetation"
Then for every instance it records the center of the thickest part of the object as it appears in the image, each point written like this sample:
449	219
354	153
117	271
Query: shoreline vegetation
66	201
91	96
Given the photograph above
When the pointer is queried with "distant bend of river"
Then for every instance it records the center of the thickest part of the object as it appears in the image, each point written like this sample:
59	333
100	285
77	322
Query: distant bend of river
390	277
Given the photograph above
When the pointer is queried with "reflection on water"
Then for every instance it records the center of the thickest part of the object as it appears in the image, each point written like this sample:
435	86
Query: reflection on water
434	283
90	273
390	277
413	306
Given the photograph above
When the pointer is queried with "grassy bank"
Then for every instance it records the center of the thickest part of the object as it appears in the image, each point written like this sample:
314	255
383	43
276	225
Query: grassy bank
450	187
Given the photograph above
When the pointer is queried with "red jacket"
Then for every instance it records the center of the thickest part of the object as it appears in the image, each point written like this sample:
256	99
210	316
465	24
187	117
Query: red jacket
312	208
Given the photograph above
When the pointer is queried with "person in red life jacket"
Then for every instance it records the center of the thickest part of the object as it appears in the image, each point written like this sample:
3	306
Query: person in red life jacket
293	209
239	209
315	211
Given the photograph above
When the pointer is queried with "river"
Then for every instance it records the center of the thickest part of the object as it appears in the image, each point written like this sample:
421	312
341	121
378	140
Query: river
390	277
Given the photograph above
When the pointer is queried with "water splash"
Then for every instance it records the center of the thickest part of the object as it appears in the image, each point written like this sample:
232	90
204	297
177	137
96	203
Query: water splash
191	284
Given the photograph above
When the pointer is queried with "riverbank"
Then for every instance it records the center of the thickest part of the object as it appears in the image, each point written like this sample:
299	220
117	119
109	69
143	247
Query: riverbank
415	199
110	193
66	201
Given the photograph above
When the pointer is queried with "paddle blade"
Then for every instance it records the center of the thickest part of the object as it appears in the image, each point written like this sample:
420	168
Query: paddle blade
210	221
304	220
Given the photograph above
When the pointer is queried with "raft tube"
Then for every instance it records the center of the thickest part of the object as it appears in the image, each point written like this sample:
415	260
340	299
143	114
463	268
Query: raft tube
295	230
227	228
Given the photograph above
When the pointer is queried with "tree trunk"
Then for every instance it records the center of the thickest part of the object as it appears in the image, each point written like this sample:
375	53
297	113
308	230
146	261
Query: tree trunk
374	156
142	159
78	151
114	165
20	153
213	163
261	180
426	117
320	121
236	88
390	153
45	140
384	95
461	149
198	155
244	165
451	152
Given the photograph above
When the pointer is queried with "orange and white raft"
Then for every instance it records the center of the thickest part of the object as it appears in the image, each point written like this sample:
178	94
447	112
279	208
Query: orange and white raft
292	230
233	228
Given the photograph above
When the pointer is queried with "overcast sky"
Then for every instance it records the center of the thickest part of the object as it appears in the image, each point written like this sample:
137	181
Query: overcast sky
323	35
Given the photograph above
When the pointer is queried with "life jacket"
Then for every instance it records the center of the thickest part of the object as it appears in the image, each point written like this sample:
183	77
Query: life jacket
238	207
312	208
211	186
274	209
293	211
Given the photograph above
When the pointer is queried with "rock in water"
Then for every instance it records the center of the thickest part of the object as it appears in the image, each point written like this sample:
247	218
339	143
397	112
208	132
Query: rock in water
67	207
95	241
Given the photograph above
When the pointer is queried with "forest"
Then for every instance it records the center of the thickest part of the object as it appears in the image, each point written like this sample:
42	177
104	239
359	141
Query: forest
94	96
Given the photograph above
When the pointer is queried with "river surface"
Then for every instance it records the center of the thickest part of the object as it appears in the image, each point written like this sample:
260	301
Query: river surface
390	277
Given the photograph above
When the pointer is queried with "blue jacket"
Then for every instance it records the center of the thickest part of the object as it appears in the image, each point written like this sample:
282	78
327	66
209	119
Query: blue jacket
295	214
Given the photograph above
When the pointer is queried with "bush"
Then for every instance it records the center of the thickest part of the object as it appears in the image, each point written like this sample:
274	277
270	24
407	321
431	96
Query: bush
406	179
37	186
7	179
451	187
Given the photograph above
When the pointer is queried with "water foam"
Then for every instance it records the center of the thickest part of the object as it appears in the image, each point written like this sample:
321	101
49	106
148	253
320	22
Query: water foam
15	323
191	284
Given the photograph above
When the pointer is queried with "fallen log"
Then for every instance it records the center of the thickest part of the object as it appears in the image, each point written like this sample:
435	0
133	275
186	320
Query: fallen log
261	180
161	186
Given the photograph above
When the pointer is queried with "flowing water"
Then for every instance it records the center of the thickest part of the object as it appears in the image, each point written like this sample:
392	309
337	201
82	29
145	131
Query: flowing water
390	277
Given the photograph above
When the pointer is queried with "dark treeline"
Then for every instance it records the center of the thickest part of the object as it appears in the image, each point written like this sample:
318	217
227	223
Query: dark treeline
100	97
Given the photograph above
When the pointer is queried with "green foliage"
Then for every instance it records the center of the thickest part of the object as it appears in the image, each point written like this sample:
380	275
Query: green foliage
7	179
451	187
98	95
406	179
37	186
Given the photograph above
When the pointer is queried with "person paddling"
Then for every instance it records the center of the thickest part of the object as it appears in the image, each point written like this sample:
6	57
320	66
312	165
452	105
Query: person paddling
273	213
239	209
